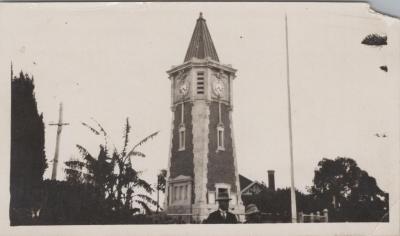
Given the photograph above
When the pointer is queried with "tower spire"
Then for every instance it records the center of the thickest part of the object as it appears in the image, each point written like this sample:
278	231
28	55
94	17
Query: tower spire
201	45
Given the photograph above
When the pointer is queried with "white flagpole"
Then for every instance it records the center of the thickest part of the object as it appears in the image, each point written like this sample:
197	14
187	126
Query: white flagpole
292	188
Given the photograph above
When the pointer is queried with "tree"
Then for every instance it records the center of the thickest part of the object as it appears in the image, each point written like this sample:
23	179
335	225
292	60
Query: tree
348	191
275	204
28	159
161	184
113	175
70	203
161	180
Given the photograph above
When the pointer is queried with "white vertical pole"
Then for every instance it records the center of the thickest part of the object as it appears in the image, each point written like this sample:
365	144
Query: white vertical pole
292	187
182	112
59	128
219	110
12	71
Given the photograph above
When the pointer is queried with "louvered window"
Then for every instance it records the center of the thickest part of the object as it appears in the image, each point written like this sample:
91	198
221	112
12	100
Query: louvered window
200	82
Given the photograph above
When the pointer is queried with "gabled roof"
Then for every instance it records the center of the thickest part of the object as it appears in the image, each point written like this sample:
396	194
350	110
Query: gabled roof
201	45
244	182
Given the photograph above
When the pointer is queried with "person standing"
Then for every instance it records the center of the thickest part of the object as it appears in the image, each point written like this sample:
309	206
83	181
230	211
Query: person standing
252	214
222	215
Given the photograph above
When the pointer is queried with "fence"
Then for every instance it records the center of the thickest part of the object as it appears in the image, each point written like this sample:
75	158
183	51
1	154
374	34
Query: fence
314	218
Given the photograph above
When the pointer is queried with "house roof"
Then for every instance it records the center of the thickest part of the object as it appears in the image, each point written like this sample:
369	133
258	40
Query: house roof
201	45
244	182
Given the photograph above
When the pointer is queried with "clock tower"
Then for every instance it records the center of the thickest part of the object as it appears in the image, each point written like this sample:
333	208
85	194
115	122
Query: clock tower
202	160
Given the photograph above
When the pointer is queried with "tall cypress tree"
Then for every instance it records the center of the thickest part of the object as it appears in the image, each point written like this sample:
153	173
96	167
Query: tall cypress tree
28	160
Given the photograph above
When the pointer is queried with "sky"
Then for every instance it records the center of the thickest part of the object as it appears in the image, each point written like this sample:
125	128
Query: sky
108	62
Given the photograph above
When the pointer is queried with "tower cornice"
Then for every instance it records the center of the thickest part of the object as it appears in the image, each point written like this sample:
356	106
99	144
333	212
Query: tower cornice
194	62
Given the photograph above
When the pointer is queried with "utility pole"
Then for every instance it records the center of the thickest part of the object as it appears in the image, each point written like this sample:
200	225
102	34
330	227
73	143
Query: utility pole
292	188
12	71
60	124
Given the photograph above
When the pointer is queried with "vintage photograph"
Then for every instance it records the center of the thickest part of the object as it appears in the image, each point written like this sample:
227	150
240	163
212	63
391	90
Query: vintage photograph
201	113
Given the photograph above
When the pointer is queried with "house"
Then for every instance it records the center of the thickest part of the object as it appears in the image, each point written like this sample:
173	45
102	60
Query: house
249	187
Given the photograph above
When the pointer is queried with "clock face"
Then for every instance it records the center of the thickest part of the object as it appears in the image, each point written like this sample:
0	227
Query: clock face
183	87
218	87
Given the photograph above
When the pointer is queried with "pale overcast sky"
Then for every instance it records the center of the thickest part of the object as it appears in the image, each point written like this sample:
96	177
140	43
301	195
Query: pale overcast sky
108	61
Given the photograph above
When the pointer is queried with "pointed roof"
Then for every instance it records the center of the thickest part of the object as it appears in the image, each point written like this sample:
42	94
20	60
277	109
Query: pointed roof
201	44
244	182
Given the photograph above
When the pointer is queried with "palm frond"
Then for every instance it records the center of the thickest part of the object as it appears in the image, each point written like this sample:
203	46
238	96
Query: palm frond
146	198
71	172
106	137
75	164
143	141
144	205
91	128
126	136
134	153
102	130
88	177
131	174
143	184
91	160
83	150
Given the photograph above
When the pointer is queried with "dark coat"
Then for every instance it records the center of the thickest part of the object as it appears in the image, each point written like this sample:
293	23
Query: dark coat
216	218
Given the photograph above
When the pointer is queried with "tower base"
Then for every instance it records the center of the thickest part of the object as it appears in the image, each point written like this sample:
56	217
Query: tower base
197	213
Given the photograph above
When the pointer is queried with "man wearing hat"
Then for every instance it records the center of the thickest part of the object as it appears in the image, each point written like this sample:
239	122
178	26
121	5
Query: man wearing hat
252	214
222	215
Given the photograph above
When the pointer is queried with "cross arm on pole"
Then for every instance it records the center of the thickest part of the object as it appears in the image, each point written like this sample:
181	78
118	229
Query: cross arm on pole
59	124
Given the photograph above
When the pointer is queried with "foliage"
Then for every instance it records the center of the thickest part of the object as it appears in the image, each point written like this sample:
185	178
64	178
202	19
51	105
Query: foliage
375	40
161	180
119	186
161	185
277	203
340	186
28	159
348	191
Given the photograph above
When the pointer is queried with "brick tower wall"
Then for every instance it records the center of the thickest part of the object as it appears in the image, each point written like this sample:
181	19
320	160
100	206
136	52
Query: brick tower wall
220	165
182	161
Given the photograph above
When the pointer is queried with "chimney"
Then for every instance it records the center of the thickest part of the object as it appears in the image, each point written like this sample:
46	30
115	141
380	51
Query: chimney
271	180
